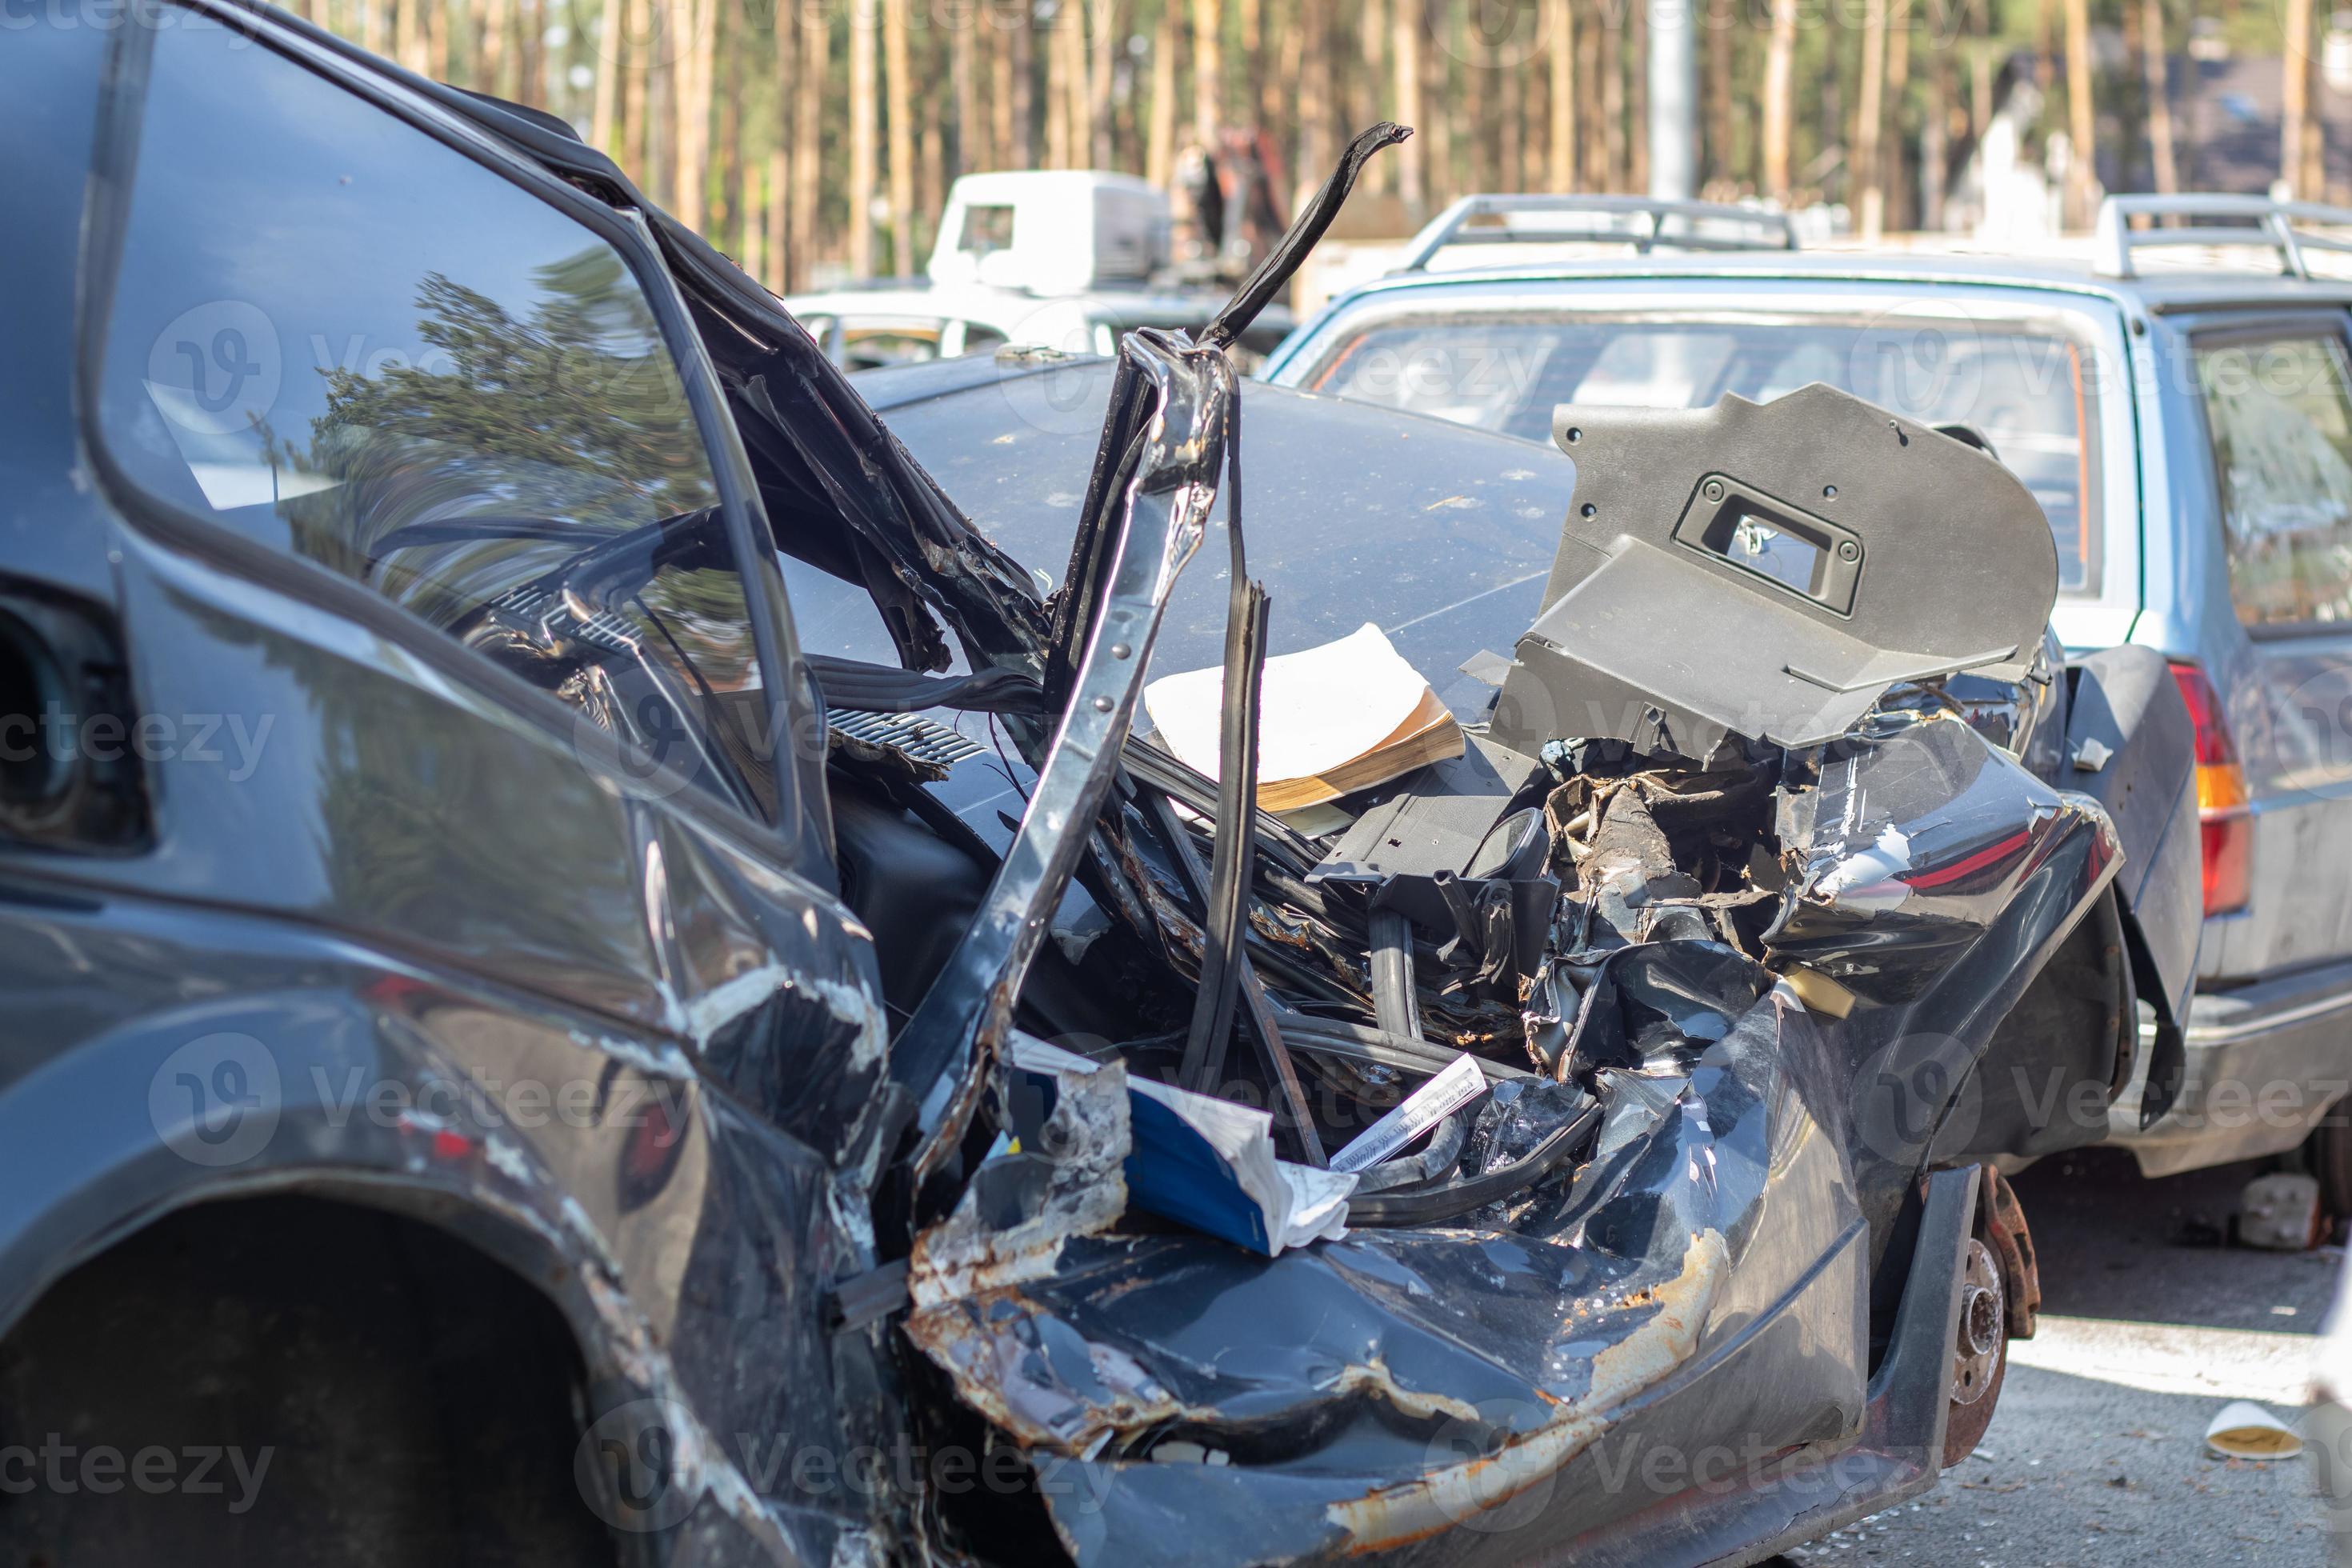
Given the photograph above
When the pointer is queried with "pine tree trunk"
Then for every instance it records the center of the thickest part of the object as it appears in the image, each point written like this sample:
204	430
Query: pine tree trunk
964	82
611	61
1275	85
1934	149
864	135
1107	19
1511	153
736	189
1719	18
807	182
1000	90
1612	103
1592	134
2313	184
2082	113
1435	113
2295	98
1637	98
1160	145
777	213
2153	66
1894	165
1281	119
1076	75
901	111
688	116
1404	34
1023	148
1317	76
1560	36
491	57
1057	89
1253	23
530	52
636	111
1367	85
1208	70
1779	111
931	162
1868	117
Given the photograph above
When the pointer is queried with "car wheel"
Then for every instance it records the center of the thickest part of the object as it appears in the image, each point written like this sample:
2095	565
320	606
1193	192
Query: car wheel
2326	1157
1980	1351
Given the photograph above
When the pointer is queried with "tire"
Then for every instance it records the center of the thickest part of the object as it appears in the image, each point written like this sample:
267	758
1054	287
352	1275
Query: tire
2327	1156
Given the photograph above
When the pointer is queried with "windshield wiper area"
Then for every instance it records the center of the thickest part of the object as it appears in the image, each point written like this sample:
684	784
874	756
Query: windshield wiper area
606	633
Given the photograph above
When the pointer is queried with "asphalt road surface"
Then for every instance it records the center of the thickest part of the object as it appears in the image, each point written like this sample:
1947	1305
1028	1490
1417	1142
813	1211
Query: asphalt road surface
2096	1455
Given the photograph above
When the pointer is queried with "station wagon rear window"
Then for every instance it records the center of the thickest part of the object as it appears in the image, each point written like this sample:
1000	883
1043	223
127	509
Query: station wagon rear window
2025	391
2280	413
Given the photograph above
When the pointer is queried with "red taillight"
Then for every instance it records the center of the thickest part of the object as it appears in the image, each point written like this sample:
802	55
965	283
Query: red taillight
2225	822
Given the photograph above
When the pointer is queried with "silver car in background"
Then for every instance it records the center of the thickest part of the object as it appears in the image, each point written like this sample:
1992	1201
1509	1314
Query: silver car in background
2185	421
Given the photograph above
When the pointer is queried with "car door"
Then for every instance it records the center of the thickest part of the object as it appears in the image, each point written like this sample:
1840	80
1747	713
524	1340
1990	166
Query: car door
2276	399
486	882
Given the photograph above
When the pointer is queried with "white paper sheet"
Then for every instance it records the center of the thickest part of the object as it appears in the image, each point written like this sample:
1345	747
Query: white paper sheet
1319	707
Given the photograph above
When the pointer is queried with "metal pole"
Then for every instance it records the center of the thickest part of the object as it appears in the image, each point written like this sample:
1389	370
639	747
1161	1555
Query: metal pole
1673	99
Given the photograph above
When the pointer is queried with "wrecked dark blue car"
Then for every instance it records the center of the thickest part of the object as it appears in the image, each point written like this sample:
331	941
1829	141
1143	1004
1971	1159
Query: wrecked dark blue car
576	931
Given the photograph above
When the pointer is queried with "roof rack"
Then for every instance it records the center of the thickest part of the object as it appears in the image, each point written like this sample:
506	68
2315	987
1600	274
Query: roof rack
2257	221
1678	225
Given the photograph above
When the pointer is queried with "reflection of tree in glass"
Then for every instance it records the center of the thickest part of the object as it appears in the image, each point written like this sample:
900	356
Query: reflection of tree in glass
572	413
704	611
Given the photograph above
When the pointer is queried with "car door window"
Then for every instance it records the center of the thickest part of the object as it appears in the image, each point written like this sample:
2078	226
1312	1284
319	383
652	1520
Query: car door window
339	338
2280	413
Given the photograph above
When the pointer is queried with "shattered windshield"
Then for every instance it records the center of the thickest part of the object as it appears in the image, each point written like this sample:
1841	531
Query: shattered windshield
2024	390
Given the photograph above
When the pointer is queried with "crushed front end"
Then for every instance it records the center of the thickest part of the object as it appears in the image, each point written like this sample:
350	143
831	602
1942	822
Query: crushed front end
1731	899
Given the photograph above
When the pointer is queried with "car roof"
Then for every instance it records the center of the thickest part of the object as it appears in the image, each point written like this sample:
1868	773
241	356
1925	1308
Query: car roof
1118	307
2156	291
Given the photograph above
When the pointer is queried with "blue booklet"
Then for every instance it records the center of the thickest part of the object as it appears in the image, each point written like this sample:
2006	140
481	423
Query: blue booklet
1209	1163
